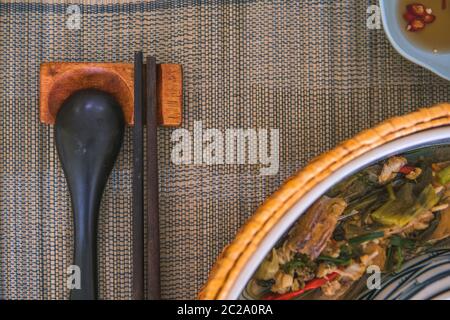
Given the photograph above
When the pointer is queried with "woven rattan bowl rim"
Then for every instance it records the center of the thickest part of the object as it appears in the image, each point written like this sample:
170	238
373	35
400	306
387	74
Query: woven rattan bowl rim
234	256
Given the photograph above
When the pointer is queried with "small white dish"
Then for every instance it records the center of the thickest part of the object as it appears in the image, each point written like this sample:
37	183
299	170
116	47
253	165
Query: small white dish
437	63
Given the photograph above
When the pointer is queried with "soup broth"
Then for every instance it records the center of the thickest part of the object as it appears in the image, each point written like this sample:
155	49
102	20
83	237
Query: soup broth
435	36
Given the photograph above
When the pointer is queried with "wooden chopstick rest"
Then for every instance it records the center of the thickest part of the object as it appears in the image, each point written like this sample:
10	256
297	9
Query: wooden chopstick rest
59	80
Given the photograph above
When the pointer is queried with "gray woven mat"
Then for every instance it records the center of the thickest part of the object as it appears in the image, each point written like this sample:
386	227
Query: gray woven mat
309	68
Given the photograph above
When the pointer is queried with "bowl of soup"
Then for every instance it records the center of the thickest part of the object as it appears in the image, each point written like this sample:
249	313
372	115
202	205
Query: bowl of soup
370	219
419	31
384	219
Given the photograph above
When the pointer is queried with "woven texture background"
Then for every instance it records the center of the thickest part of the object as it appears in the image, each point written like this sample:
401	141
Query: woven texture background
309	68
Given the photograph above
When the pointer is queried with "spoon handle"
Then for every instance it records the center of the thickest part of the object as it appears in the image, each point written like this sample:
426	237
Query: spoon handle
85	216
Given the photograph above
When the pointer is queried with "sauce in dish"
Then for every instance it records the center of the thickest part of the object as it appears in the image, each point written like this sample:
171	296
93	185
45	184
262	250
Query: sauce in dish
431	36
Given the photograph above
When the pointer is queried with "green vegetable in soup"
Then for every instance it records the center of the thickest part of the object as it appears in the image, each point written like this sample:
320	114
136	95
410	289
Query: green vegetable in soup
366	237
299	263
268	268
404	208
336	261
444	176
396	251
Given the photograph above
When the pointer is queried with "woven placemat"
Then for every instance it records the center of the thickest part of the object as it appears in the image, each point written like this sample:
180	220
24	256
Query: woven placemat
311	69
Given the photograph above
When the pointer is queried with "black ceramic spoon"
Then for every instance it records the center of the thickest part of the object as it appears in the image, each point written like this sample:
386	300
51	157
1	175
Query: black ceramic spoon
89	133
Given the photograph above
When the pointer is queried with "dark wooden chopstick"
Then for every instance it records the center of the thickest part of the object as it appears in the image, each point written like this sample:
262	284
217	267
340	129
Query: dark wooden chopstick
138	179
153	268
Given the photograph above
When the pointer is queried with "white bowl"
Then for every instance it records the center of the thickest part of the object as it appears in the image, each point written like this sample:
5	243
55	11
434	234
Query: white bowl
437	63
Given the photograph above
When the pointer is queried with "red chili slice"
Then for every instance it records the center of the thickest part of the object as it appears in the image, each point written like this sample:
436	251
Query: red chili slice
406	169
416	25
311	285
429	18
409	16
416	9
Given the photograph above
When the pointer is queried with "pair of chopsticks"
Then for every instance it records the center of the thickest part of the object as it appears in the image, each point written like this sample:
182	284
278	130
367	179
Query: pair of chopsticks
145	111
